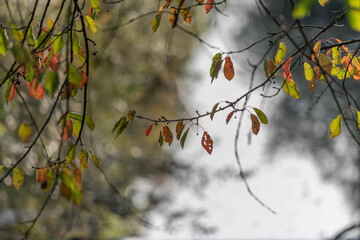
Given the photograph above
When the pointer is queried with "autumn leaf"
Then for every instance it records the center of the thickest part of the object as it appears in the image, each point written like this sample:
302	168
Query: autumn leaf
77	174
261	116
25	132
302	9
168	136
325	63
1	168
12	91
161	139
18	178
215	66
207	142
173	17
84	80
91	24
58	43
209	5
45	177
120	126
228	69
353	14
200	1
148	130
335	127
36	91
185	13
358	120
83	157
183	138
213	111
179	128
255	124
3	43
309	73
96	160
51	82
323	2
17	34
286	67
156	22
67	130
71	154
291	88
229	116
316	50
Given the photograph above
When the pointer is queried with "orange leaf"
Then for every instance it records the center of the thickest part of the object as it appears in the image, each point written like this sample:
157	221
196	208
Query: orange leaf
173	17
271	67
84	80
54	64
209	5
207	143
67	130
43	177
168	136
286	67
148	130
228	69
38	92
200	1
12	91
230	116
77	174
255	124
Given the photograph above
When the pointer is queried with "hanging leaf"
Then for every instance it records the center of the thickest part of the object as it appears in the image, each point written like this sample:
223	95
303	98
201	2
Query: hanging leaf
17	34
213	111
183	138
74	75
336	55
316	50
168	136
96	160
95	4
173	17
291	88
120	126
12	91
228	69
156	22
58	43
148	130
83	157
266	68
325	63
323	2
209	5
1	168
84	80
88	120
3	43
255	124
130	115
261	116
25	132
18	178
207	142
67	130
309	73
335	127
77	174
286	67
76	128
51	82
91	24
45	177
69	187
303	9
358	122
161	139
230	116
179	128
185	13
279	58
215	66
71	154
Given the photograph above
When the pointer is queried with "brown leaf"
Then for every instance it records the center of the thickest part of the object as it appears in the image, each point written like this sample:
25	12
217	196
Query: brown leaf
255	124
228	69
67	130
207	142
230	116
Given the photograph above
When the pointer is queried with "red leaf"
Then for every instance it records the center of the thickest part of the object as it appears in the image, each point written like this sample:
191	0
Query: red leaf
54	64
67	130
209	5
168	136
148	130
77	174
200	1
12	91
38	92
207	143
230	116
84	80
228	69
286	67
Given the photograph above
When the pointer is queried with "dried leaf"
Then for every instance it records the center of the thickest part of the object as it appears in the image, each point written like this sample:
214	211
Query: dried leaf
173	17
255	124
207	142
83	157
67	130
179	128
185	13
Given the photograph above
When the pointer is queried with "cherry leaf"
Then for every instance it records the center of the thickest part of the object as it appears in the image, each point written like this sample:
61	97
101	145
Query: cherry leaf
261	116
168	136
230	116
148	130
255	124
209	5
213	111
228	69
179	128
18	178
183	138
335	127
25	132
207	142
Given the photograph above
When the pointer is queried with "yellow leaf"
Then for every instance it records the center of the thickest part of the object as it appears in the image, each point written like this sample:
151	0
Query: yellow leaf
309	73
316	50
25	132
353	14
323	2
91	24
291	88
279	59
335	127
185	13
18	178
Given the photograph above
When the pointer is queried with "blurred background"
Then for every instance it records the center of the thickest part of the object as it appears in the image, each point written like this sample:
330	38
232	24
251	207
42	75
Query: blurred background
311	182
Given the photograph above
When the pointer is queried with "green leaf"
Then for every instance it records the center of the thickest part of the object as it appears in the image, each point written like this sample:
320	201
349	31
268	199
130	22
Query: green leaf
17	34
309	73
353	14
69	188
88	120
58	43
76	127
161	139
183	138
96	160
303	9
213	111
3	43
279	58
30	74
71	154
74	75
261	115
30	37
121	126
18	178
91	24
83	156
22	55
51	82
291	88
266	68
335	127
1	168
336	55
156	22
215	66
43	40
358	117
